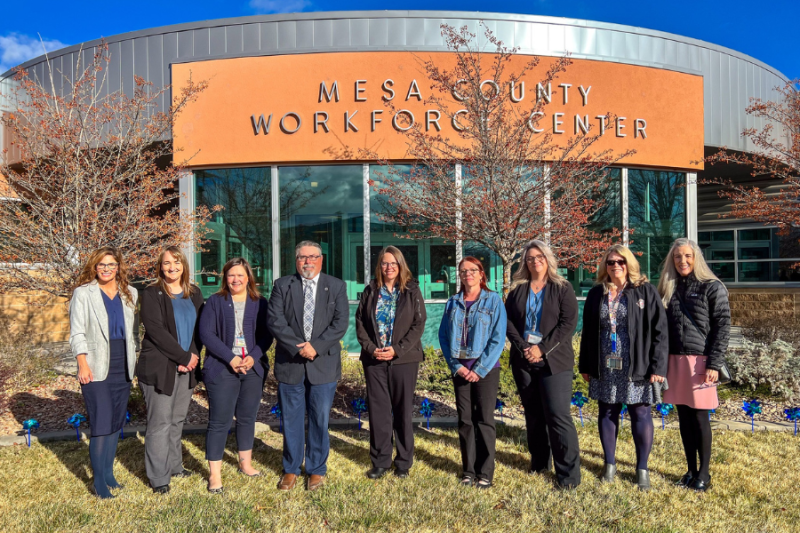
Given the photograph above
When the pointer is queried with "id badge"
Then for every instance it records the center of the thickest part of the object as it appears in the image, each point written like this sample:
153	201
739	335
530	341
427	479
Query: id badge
534	338
239	342
614	363
462	354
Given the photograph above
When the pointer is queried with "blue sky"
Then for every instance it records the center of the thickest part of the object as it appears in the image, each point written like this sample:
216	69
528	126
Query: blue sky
764	30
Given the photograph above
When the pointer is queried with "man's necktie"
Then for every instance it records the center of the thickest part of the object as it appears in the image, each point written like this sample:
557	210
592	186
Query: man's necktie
308	308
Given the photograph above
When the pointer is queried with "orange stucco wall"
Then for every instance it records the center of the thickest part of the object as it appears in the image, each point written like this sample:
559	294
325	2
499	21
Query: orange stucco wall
218	128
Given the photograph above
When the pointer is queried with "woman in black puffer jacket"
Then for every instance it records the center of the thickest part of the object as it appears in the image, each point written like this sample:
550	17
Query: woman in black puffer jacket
699	320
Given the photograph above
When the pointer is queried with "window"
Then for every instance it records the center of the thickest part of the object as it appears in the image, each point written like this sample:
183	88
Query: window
242	229
324	204
656	214
751	255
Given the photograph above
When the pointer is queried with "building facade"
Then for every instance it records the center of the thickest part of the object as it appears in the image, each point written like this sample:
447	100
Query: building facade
288	93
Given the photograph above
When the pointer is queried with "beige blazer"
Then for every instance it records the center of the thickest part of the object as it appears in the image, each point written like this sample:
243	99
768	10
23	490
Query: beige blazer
88	329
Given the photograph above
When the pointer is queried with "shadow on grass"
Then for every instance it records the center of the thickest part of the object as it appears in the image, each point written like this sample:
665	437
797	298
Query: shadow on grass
356	454
513	460
75	457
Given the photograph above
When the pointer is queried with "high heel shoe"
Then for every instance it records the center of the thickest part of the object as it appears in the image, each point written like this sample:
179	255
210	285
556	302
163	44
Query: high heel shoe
609	471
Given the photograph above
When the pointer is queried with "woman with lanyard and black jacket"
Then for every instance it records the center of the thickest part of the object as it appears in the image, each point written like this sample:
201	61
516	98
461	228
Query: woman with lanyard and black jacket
699	319
389	323
542	315
623	352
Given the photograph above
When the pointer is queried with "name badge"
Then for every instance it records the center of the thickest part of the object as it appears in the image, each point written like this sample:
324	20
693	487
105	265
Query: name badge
534	338
239	341
614	363
463	354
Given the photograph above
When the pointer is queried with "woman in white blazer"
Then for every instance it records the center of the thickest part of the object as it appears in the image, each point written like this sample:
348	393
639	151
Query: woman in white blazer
103	336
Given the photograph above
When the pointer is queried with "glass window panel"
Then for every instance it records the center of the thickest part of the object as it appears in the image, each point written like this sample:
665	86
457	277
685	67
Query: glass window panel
324	204
788	245
722	236
703	237
758	234
724	271
657	214
242	229
431	261
719	255
765	271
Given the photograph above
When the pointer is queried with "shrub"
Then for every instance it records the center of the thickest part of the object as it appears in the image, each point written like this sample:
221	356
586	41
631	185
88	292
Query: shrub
775	365
26	365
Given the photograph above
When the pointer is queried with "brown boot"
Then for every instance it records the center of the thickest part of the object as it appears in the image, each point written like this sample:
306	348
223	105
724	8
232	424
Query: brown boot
287	482
315	481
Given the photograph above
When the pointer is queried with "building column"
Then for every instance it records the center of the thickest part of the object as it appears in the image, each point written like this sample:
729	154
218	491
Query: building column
691	205
624	201
276	223
186	204
367	240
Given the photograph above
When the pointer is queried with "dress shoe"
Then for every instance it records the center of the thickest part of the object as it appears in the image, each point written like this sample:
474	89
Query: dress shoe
609	471
163	489
400	473
242	472
466	481
483	484
685	479
699	485
377	472
643	479
287	482
315	481
183	473
218	490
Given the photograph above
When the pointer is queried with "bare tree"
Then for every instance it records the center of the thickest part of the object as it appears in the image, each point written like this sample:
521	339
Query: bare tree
87	168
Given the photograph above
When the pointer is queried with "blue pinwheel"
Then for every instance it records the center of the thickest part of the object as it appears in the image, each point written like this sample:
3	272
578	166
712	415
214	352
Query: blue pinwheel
127	421
579	400
793	415
75	421
359	406
664	409
426	409
752	408
622	414
498	406
30	424
276	410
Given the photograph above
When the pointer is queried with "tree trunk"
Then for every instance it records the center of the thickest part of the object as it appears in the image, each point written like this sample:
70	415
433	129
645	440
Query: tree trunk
506	277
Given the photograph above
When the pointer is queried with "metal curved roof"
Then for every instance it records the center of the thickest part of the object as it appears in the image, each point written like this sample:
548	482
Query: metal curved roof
730	78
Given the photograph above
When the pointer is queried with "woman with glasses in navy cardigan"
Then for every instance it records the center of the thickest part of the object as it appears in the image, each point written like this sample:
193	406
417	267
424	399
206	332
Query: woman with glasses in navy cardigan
233	328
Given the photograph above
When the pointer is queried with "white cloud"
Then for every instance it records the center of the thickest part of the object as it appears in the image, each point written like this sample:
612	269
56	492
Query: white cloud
16	48
278	6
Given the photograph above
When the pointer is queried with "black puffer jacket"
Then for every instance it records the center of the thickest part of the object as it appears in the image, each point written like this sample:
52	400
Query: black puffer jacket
708	304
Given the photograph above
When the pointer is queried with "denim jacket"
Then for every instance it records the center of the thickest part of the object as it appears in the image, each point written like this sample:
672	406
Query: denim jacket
487	325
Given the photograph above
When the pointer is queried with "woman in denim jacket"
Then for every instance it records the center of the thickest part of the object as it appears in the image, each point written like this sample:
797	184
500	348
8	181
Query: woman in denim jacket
472	336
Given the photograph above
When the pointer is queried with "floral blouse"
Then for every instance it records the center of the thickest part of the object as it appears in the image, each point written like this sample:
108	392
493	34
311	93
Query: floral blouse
384	314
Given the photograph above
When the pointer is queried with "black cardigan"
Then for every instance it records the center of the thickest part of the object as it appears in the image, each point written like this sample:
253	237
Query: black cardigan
161	353
409	323
647	331
559	319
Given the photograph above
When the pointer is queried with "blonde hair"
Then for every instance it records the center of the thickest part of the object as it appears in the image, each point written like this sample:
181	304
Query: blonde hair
635	276
186	284
404	274
89	271
669	274
523	274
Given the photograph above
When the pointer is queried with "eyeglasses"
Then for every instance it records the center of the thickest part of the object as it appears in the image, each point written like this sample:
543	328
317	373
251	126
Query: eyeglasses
312	258
535	259
107	266
471	271
386	264
612	262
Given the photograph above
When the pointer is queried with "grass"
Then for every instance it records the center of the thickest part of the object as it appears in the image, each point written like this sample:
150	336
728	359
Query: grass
45	488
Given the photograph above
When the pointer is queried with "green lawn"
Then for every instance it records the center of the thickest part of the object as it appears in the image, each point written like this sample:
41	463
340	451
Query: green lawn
755	480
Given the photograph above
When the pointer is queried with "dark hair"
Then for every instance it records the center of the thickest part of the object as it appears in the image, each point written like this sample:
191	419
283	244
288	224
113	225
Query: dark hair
476	262
252	292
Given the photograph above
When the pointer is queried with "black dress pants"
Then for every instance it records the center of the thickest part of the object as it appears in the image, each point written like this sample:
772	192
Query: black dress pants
475	403
390	400
546	399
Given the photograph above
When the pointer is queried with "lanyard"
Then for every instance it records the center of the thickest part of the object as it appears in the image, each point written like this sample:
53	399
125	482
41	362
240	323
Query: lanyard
465	326
613	306
537	306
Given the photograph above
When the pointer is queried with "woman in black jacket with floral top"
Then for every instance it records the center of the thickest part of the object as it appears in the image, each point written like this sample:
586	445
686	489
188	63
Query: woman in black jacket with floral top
699	320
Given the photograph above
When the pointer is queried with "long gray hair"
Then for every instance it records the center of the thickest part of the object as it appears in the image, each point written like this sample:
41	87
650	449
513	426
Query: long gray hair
523	275
670	276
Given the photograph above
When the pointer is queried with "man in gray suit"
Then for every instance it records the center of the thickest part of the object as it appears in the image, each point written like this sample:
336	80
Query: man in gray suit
308	316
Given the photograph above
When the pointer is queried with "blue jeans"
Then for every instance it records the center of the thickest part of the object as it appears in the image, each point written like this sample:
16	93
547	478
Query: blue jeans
294	400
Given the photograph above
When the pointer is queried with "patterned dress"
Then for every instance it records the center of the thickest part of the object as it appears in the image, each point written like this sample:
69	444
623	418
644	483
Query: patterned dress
614	386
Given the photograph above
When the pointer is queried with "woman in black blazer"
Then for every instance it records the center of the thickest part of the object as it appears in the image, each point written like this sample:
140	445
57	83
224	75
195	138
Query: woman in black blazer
542	315
389	324
168	364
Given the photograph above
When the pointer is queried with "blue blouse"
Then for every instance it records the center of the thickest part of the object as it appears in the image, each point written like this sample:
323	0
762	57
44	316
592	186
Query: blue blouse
533	312
185	318
116	317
